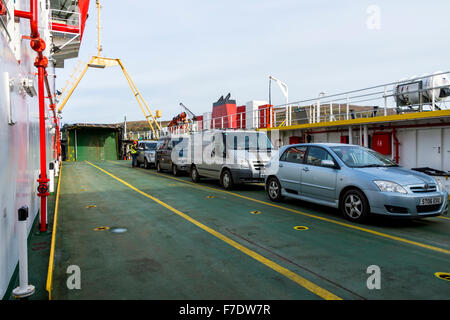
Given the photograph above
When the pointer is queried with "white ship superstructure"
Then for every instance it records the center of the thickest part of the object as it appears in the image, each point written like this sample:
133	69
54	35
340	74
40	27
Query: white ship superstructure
29	125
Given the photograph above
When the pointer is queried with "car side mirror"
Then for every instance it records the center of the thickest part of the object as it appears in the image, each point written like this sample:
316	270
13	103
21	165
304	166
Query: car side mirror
328	164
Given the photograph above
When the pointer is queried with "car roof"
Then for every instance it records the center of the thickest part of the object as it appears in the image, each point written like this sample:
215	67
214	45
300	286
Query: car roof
322	144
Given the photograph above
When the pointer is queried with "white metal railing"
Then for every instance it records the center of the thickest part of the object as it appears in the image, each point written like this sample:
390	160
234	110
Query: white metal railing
64	17
368	102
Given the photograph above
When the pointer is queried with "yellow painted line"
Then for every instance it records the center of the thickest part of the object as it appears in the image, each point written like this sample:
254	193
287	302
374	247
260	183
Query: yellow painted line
444	218
49	283
391	118
380	234
323	293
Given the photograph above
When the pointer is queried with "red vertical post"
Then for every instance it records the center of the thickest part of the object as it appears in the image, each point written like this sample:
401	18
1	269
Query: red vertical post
43	180
397	143
38	45
58	142
34	19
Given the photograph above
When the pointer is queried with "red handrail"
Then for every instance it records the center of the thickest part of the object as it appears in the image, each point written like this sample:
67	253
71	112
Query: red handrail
61	27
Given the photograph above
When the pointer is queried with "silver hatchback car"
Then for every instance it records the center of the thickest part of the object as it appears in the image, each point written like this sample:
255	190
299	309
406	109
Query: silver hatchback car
357	180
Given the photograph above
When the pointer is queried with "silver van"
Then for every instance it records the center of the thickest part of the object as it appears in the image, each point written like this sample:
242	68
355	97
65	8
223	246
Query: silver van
231	156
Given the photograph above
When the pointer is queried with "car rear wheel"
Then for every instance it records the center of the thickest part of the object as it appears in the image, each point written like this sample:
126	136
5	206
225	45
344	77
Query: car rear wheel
226	180
355	206
195	177
274	189
175	171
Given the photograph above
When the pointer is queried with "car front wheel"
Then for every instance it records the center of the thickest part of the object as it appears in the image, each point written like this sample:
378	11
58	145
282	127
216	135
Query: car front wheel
355	206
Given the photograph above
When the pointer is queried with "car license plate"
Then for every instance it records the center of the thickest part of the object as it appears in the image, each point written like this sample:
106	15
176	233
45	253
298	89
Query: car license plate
430	201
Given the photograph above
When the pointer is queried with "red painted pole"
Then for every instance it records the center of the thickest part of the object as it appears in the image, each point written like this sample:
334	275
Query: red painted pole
397	143
22	14
58	142
38	45
43	180
34	19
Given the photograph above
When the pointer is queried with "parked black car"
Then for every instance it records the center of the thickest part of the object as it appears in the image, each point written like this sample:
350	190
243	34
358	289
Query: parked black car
167	160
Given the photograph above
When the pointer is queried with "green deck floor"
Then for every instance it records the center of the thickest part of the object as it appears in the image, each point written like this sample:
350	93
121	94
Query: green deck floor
165	256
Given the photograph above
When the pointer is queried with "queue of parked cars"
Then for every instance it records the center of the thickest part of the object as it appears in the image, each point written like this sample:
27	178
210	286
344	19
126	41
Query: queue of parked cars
356	180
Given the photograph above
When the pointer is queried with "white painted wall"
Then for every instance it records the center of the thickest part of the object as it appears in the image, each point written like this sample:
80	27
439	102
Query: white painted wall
408	144
429	148
19	156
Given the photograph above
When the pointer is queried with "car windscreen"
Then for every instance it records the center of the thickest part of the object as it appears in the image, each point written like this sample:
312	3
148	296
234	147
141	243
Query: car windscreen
248	141
358	157
150	146
179	140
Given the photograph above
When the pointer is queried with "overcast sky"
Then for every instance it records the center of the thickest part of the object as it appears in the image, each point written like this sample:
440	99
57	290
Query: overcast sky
195	51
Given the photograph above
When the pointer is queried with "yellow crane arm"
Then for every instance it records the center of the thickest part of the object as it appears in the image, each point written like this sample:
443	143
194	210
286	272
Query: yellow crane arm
102	62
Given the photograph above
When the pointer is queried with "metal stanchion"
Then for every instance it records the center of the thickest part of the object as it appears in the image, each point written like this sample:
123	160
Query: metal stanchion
24	289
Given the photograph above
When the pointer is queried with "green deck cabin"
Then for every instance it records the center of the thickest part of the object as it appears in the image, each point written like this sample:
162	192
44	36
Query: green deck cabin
92	142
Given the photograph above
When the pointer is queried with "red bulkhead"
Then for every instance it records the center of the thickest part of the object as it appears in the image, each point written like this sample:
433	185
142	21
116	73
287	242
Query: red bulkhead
265	116
240	117
382	142
224	114
344	139
295	140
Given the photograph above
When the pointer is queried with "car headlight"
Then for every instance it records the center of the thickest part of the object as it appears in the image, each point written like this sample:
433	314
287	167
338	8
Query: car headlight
388	186
440	185
244	164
